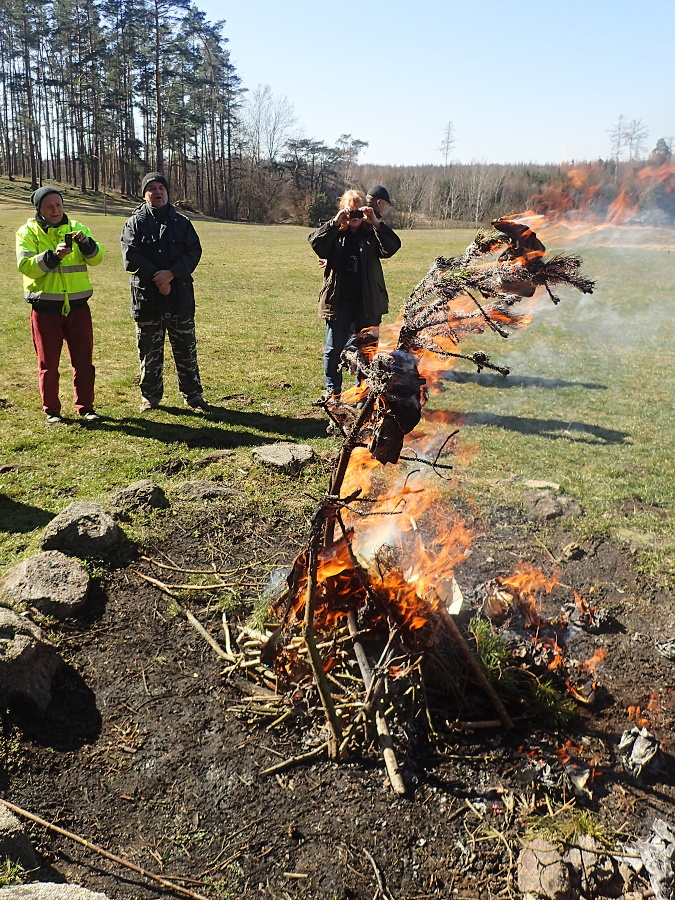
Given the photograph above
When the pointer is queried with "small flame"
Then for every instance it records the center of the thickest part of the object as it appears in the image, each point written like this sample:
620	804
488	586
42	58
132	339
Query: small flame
590	665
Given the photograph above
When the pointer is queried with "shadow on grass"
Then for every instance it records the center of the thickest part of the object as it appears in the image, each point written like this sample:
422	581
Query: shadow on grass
556	429
488	379
20	518
219	428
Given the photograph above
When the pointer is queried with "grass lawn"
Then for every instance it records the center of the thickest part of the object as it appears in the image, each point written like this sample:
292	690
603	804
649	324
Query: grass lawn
589	404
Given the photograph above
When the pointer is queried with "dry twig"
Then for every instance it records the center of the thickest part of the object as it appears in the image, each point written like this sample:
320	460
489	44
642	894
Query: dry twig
96	849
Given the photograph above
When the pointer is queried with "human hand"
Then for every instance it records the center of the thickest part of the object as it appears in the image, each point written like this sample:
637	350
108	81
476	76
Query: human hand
342	217
162	278
79	237
164	289
369	216
63	250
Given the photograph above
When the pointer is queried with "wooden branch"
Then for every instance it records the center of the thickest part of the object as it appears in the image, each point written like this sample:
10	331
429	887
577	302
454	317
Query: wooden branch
241	683
213	571
255	690
476	668
293	760
211	641
381	890
179	587
335	739
485	724
169	885
226	632
196	624
383	733
338	478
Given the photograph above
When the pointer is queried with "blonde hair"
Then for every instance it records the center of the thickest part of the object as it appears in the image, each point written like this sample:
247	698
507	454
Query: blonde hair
352	198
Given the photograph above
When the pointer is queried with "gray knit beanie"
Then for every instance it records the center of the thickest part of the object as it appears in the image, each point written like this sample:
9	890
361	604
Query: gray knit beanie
38	196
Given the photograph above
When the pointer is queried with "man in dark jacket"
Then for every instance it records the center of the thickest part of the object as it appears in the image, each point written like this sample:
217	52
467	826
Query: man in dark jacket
161	250
353	295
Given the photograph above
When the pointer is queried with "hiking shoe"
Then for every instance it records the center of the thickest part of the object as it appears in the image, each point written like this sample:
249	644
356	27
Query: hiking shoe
54	419
197	403
147	405
90	416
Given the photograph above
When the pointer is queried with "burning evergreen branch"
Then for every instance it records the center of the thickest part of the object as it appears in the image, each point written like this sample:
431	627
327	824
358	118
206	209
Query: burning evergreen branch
443	309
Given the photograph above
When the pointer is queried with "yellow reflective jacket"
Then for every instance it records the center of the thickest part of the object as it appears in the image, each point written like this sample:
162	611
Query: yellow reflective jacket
55	288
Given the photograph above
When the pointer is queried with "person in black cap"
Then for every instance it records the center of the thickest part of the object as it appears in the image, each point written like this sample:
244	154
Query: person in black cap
53	253
378	197
161	250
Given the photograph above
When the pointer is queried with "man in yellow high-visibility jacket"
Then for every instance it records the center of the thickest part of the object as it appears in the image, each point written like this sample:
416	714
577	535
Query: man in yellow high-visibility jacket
53	253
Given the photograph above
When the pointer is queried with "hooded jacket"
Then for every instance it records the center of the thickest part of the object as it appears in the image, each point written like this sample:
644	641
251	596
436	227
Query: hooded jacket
50	284
374	244
160	239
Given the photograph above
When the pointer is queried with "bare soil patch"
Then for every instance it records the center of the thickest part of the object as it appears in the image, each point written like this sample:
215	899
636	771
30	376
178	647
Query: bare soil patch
141	753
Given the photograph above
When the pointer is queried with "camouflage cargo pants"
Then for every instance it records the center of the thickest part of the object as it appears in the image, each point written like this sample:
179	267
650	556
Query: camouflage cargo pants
150	341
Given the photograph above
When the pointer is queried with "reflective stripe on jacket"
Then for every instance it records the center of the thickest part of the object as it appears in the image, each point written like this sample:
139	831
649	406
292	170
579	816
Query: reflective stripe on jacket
44	287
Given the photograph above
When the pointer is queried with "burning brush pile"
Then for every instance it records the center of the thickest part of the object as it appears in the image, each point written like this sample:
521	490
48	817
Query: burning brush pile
371	640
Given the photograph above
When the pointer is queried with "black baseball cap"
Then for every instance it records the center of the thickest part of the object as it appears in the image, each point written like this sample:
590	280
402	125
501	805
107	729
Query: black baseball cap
379	192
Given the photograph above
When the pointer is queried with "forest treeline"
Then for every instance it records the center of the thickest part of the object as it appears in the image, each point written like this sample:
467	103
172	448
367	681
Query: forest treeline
95	95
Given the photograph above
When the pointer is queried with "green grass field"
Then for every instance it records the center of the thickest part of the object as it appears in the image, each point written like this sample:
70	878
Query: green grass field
589	404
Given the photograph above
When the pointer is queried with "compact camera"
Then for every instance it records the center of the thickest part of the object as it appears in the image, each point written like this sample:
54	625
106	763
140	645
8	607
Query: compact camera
355	213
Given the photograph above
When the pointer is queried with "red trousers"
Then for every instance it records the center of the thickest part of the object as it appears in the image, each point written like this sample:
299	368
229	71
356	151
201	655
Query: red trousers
49	331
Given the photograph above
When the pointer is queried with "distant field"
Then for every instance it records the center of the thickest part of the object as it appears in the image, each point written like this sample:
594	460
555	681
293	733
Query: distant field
589	403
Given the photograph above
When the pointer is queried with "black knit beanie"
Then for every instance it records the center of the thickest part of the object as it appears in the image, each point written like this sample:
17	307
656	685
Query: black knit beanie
153	176
38	196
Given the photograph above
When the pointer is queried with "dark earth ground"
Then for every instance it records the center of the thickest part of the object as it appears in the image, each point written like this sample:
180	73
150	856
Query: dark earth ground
141	753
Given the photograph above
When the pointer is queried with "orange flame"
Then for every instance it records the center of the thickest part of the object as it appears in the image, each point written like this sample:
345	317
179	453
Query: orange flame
524	585
590	665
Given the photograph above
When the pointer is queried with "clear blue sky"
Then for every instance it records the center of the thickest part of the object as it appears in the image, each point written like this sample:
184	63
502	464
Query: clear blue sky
520	81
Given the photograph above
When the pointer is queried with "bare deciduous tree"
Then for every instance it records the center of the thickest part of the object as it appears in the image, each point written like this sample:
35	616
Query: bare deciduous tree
268	123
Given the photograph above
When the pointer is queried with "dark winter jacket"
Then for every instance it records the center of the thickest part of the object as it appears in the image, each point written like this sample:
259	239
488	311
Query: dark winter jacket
160	239
374	244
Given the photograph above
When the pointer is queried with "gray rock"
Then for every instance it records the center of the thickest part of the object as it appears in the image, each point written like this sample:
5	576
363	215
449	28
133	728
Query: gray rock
205	490
82	529
536	483
14	842
141	495
543	872
284	456
545	505
27	662
593	871
48	890
55	584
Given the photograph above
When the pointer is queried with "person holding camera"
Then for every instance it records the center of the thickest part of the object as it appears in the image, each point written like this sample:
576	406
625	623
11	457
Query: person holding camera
353	295
160	251
53	253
